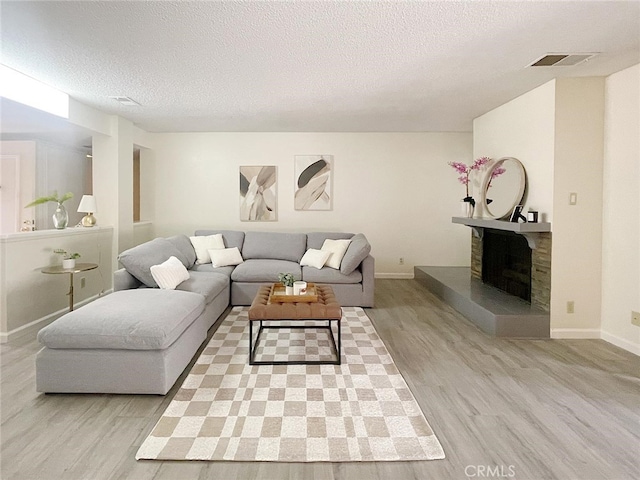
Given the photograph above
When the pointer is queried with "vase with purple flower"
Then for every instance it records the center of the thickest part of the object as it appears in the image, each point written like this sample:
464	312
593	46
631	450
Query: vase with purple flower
468	203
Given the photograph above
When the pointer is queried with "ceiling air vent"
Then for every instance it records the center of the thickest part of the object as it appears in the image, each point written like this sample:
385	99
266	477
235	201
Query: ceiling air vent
562	59
126	101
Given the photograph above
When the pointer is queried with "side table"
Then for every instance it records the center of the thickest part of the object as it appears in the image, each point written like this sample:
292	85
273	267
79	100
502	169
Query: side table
80	267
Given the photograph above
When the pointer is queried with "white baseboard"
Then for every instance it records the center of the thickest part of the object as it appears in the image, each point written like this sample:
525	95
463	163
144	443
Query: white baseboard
396	276
32	328
575	333
594	333
621	342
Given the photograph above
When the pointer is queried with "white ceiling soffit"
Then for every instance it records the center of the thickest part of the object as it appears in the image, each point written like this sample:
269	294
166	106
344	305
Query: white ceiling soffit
21	122
310	65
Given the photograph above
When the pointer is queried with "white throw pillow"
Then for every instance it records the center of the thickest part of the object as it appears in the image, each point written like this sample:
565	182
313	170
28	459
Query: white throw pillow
337	248
202	244
168	275
225	257
315	258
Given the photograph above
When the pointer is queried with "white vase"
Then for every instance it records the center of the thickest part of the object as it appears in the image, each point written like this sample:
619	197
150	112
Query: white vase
69	263
466	209
288	290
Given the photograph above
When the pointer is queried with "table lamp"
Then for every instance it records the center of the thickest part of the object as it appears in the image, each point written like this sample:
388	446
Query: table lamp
88	206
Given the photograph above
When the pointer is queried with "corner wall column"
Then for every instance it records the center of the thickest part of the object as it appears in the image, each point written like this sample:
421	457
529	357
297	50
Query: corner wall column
113	182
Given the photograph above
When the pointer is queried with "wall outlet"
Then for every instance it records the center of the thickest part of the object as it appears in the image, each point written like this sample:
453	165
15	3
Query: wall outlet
570	306
401	261
635	318
83	282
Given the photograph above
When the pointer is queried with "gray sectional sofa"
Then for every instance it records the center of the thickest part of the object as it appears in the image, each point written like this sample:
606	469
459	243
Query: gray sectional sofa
140	338
265	255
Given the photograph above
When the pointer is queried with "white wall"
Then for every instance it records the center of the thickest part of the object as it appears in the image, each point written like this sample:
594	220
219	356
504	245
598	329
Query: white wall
621	216
524	128
45	167
61	168
147	185
26	150
396	188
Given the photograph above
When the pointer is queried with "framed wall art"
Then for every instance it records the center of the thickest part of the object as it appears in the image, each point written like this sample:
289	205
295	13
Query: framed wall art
258	193
313	182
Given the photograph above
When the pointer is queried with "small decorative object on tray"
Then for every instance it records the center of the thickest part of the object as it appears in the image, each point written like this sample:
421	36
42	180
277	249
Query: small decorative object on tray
278	295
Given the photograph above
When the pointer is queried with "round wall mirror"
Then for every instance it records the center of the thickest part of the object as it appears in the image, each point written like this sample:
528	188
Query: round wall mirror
503	187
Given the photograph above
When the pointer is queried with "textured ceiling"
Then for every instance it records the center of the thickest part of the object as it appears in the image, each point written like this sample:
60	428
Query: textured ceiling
310	66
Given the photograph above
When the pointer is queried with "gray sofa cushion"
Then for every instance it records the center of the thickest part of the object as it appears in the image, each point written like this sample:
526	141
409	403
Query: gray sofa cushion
232	238
262	270
138	260
142	319
278	246
207	267
206	284
358	250
316	239
329	275
183	244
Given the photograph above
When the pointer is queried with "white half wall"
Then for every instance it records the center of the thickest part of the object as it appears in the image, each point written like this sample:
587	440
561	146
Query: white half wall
621	210
29	299
396	188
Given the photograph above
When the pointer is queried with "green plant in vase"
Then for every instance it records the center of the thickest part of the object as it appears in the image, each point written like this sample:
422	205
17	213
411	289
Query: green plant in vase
287	280
60	216
68	259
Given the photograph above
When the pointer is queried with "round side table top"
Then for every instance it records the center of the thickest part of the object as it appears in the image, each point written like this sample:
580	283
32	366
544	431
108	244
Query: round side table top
80	267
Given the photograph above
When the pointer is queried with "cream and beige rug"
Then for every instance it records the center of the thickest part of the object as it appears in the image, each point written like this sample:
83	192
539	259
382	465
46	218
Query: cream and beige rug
227	409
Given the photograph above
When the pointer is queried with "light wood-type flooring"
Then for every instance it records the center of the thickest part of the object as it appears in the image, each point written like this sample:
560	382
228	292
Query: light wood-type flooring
502	408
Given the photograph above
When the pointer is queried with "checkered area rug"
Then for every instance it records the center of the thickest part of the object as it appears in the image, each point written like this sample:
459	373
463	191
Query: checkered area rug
227	409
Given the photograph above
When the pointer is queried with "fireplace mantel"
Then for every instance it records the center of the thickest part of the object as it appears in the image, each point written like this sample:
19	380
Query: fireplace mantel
528	230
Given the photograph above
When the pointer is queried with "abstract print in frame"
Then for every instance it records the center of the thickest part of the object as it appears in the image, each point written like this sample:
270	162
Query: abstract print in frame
313	182
258	189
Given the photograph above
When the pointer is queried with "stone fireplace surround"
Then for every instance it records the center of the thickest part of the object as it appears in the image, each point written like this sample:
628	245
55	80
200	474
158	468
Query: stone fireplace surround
540	268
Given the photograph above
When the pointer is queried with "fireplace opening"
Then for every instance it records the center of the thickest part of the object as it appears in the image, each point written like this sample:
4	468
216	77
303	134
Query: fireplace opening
506	262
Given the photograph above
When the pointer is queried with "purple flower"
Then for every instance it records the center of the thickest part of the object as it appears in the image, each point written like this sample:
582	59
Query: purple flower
479	163
459	167
497	172
464	170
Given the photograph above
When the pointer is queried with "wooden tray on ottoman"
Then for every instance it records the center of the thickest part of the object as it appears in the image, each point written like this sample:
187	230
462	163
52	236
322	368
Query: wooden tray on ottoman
277	295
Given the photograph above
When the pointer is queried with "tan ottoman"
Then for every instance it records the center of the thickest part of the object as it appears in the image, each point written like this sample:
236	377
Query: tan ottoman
326	309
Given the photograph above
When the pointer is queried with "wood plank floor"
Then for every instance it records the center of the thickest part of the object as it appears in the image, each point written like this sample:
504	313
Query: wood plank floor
502	408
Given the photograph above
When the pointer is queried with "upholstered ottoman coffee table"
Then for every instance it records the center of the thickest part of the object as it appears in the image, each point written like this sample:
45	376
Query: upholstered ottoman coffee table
273	314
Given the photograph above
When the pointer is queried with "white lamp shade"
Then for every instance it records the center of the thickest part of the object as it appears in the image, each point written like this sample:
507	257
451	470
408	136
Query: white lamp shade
88	204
